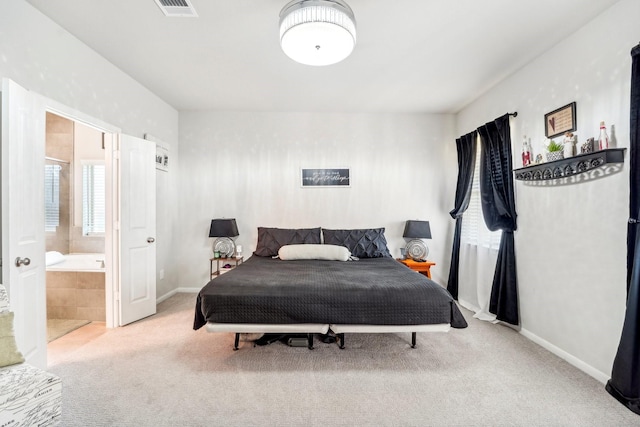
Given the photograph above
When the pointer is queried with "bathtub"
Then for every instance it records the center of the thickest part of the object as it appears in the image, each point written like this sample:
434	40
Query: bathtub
90	262
75	286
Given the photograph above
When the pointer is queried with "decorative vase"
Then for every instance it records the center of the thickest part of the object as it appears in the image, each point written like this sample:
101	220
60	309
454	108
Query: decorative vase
555	155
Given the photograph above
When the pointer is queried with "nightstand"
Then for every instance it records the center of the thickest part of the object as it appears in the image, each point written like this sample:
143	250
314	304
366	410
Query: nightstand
218	271
420	267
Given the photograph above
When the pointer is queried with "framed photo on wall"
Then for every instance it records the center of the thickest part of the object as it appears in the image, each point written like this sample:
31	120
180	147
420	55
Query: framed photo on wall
560	121
162	158
327	177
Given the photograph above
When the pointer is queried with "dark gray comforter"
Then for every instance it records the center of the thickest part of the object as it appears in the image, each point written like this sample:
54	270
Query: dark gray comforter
372	291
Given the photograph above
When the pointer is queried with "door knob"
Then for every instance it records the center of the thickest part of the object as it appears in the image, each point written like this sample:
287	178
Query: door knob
150	240
22	261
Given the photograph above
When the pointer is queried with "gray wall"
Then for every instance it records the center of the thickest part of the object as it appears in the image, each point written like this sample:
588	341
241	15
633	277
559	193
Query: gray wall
571	240
247	166
40	56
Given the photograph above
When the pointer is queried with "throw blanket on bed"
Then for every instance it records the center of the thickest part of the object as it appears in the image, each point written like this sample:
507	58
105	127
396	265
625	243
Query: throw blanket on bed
373	291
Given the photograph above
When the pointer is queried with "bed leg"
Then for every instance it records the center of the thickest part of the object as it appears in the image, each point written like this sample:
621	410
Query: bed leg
235	343
310	341
340	339
413	340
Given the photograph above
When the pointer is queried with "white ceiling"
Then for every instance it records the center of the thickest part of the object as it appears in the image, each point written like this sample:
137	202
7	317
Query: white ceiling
432	56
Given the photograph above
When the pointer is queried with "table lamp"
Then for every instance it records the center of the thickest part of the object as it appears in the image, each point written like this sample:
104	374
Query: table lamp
416	249
224	229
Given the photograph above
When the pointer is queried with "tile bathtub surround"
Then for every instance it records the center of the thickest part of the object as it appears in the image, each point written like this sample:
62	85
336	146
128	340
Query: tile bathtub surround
75	295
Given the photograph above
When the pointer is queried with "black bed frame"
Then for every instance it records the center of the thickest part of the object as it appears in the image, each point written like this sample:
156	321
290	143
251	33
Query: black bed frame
339	341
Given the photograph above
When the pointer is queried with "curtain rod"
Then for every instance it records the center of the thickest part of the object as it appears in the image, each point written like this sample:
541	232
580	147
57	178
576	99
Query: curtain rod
53	159
514	114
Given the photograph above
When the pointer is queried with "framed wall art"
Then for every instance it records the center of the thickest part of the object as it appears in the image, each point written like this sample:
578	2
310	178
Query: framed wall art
328	177
560	121
162	158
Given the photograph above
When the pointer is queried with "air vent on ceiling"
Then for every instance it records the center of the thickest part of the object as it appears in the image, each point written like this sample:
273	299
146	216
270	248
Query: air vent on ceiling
177	8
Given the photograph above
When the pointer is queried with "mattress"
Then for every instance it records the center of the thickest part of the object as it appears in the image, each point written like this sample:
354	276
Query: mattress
371	291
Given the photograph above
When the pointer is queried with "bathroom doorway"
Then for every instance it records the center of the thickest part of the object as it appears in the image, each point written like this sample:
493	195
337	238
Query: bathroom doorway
74	225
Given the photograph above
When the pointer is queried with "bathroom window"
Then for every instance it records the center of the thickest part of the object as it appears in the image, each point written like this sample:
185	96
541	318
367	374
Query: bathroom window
51	197
93	199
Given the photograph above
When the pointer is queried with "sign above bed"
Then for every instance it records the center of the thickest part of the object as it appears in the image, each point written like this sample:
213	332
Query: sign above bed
332	177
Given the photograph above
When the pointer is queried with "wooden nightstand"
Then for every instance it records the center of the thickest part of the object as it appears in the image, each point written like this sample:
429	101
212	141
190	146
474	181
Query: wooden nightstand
420	267
218	271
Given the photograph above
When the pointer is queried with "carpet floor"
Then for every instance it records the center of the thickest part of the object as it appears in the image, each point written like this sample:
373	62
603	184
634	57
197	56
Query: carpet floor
160	372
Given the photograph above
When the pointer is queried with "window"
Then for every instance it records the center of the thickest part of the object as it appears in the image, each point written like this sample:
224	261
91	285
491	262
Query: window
93	199
51	197
474	230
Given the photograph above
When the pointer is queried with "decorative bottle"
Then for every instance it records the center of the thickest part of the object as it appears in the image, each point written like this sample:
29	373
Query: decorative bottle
603	139
526	152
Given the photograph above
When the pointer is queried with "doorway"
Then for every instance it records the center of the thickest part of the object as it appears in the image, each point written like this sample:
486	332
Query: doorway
74	205
129	259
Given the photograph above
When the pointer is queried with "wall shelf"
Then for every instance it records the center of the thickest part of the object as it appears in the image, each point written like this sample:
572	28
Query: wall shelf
570	166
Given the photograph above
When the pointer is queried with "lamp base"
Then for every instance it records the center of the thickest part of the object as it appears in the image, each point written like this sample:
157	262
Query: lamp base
417	250
225	246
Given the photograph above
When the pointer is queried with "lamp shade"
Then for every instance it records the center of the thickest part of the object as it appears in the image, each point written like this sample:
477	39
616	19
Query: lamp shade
225	227
317	32
417	230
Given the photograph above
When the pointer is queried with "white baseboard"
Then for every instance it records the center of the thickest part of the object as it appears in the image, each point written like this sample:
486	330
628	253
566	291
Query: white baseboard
176	291
584	367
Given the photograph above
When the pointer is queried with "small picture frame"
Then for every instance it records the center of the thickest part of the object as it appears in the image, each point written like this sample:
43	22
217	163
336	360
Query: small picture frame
327	177
162	158
560	121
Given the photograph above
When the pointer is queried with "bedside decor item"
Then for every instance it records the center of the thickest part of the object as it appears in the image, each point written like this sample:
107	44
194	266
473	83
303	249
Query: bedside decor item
317	32
416	249
555	151
560	121
224	229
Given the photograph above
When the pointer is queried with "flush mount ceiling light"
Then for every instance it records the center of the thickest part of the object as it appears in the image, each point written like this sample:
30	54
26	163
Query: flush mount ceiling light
317	32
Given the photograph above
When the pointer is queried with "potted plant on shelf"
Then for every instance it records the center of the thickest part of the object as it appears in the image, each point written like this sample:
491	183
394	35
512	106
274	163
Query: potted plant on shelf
555	151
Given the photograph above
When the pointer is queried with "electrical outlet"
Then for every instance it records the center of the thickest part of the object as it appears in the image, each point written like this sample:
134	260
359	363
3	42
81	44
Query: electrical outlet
161	273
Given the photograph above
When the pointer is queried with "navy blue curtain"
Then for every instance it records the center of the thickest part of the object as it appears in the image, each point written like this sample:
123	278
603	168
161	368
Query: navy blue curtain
466	164
624	384
499	212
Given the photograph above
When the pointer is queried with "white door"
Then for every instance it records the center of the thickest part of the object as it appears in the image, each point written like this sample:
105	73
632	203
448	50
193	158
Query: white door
137	229
23	245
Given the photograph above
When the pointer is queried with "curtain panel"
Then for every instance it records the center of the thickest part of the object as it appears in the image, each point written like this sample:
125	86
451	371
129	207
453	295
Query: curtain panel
499	212
466	146
624	384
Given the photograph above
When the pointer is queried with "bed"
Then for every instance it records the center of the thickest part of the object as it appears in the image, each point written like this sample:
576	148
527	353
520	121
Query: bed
315	293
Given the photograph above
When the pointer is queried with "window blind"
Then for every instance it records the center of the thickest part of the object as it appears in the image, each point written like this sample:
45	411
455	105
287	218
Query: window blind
51	197
93	199
474	230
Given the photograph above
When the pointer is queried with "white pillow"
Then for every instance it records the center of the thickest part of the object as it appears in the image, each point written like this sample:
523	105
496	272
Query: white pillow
313	251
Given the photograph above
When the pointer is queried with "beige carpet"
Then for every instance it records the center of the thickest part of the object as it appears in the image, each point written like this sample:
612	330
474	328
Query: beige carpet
159	372
60	327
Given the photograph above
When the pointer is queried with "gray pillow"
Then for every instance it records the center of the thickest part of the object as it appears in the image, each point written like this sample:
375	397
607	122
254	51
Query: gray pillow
363	243
270	240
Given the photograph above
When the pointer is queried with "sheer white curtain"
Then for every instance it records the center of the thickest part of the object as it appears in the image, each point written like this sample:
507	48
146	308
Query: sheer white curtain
478	255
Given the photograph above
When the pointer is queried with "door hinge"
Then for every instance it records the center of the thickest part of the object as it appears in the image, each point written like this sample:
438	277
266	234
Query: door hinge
116	154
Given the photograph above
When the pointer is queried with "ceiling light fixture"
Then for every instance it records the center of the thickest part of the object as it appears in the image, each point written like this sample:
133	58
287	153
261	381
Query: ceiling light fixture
317	32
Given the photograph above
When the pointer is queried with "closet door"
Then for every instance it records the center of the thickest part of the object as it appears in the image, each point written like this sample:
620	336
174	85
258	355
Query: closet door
23	244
